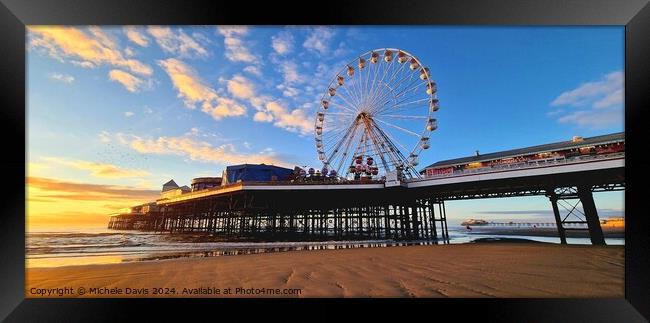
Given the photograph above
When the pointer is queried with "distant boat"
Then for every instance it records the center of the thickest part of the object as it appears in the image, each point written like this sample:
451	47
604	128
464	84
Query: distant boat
474	222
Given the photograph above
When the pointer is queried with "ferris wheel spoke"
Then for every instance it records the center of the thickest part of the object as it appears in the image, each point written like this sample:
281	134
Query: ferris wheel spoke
349	144
385	142
404	117
352	112
334	125
372	85
398	127
408	75
345	99
375	86
356	80
405	86
350	96
412	88
382	153
337	146
387	94
403	80
338	114
381	104
333	140
385	72
366	89
390	138
352	82
407	108
333	143
397	72
387	108
405	102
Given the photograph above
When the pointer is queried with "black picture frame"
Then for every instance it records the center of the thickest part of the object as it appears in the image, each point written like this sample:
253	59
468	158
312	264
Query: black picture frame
633	14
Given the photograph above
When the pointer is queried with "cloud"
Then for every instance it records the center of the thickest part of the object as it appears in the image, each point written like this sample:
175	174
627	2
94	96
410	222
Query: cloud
60	203
189	146
253	70
136	37
603	93
62	77
282	43
595	118
601	102
104	136
34	167
89	48
194	91
290	73
128	114
236	51
130	82
319	40
176	42
342	49
288	91
261	116
97	169
612	99
85	191
294	120
84	64
129	52
268	108
240	87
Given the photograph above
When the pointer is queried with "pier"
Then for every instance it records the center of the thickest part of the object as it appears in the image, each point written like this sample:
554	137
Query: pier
277	211
326	208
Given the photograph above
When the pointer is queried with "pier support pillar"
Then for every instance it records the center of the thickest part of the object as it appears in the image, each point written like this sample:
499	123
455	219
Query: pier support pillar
588	205
558	219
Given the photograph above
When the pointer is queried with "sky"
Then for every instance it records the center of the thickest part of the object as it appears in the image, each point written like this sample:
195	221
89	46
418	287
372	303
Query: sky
114	112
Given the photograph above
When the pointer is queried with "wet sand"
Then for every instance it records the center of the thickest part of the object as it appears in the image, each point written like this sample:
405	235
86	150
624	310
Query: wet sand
466	270
542	231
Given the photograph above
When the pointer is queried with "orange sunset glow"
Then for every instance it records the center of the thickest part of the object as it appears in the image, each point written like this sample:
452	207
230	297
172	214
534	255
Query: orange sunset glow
56	204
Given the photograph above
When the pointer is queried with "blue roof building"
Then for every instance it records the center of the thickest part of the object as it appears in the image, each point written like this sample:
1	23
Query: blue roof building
255	173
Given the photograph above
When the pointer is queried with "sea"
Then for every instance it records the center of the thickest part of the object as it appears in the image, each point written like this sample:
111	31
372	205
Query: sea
93	246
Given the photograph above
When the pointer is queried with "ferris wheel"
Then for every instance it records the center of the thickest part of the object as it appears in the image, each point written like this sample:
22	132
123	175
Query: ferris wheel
376	115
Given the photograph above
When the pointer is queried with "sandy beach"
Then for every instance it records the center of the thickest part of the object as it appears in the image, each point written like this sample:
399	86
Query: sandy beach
467	270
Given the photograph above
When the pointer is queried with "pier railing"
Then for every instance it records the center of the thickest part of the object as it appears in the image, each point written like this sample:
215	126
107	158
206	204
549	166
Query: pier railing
239	185
525	165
